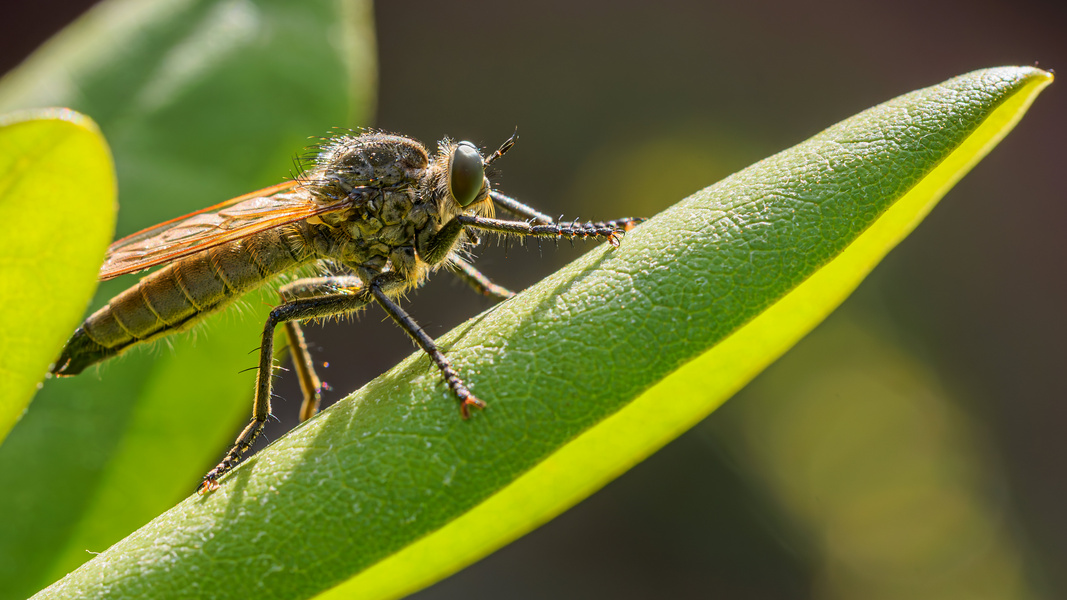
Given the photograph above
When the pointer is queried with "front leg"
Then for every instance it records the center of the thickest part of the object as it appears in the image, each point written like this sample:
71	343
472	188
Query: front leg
519	209
441	244
532	215
606	229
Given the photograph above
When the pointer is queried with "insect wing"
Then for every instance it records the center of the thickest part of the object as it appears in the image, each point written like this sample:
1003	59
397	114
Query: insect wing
161	227
231	220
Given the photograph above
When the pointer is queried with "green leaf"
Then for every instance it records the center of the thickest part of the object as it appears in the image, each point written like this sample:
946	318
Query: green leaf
57	214
201	101
586	373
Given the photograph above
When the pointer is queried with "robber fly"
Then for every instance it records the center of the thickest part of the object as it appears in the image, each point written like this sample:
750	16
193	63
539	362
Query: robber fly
378	206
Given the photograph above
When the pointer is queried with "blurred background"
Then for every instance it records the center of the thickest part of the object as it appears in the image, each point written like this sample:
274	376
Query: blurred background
911	446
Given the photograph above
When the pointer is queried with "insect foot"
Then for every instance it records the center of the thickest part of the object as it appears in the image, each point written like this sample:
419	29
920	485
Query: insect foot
244	443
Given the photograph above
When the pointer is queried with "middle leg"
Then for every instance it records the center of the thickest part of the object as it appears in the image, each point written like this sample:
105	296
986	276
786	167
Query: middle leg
382	295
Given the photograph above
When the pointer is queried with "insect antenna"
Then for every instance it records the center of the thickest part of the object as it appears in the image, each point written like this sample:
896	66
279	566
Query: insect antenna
503	148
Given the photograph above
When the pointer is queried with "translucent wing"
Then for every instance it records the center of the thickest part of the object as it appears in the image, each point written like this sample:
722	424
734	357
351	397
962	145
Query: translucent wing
231	220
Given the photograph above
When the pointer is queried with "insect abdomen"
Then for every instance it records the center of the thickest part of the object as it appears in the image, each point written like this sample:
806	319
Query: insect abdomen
179	295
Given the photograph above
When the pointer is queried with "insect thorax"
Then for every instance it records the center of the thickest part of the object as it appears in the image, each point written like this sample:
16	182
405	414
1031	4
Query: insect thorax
396	203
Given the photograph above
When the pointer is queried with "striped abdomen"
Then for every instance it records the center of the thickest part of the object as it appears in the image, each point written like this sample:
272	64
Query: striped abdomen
179	295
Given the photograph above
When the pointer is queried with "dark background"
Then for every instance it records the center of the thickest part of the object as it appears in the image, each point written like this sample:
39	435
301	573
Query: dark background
946	365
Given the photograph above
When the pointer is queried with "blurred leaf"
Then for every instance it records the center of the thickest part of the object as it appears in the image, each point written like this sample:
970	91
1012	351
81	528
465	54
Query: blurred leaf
586	373
57	214
870	450
200	101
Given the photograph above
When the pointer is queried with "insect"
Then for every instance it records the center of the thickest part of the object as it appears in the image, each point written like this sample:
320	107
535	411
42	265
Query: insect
379	207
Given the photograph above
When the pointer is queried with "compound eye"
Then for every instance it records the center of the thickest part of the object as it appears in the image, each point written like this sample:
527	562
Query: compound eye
466	173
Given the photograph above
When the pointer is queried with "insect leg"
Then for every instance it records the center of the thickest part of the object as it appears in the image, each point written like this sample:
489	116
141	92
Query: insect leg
424	341
608	229
513	206
519	209
440	245
320	286
300	309
310	384
478	281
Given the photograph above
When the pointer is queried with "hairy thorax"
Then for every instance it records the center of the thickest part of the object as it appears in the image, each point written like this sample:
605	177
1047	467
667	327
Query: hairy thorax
396	207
